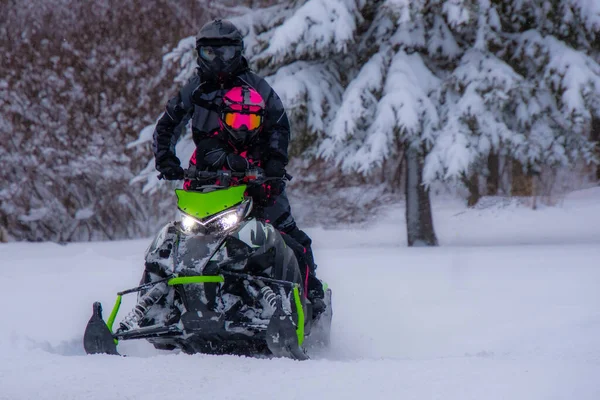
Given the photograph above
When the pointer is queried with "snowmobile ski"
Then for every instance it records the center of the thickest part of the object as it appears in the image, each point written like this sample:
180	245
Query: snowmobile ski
282	335
97	338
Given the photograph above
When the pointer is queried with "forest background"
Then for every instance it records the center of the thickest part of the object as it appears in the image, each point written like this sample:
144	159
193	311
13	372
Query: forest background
391	101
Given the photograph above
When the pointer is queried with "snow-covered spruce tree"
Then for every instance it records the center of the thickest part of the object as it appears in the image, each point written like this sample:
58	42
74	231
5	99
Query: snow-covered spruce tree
515	81
381	109
526	88
451	87
308	51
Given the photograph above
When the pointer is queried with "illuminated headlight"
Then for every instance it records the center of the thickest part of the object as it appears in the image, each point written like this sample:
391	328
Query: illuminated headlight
224	221
217	224
189	224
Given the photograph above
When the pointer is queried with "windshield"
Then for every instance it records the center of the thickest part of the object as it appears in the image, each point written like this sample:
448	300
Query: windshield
202	205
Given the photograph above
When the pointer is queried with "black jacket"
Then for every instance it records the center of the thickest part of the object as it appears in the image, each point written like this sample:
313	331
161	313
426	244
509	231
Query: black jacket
197	100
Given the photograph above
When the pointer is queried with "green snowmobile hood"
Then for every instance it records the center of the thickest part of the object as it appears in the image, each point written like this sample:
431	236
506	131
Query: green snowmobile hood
201	205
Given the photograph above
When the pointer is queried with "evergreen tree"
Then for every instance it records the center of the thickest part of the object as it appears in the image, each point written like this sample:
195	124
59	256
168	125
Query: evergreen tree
449	87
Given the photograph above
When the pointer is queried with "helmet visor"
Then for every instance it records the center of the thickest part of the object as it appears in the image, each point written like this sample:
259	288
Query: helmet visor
225	53
236	120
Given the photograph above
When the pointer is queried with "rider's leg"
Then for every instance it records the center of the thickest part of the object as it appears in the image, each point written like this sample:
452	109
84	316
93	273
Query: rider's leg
280	216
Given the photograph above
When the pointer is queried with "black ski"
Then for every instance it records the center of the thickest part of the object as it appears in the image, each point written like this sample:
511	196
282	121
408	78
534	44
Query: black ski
97	338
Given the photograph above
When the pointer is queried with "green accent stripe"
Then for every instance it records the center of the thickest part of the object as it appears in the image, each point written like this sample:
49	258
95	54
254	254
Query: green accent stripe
300	311
325	286
113	313
184	280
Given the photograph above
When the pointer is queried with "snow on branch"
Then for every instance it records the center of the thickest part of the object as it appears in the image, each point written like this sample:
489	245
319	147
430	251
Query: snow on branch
405	113
453	151
315	86
401	9
473	124
358	104
492	78
185	55
441	41
572	77
488	23
145	136
317	27
457	12
410	35
588	11
257	25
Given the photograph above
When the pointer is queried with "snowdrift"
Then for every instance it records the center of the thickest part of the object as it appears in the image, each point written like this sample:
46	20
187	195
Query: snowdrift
507	307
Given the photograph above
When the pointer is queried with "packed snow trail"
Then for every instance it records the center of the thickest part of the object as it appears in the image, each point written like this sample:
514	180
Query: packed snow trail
454	322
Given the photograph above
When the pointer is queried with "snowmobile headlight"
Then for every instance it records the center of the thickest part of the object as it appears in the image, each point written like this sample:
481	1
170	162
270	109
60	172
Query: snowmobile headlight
216	224
191	226
228	219
224	221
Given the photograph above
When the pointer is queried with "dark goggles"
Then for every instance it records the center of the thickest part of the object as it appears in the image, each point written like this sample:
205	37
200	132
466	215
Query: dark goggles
225	53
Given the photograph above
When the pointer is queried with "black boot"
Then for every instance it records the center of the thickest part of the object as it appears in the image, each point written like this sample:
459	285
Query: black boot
315	287
316	295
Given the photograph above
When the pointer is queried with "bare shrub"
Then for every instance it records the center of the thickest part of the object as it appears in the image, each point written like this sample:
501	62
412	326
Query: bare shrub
77	83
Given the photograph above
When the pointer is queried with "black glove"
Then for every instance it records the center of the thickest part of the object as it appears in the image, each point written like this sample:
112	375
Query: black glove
170	168
275	168
274	188
265	195
237	163
259	195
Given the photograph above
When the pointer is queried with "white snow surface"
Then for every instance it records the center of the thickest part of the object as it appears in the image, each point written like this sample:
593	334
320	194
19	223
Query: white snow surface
508	307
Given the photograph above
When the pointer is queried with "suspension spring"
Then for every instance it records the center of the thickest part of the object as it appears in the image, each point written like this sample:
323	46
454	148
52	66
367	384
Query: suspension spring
269	297
142	306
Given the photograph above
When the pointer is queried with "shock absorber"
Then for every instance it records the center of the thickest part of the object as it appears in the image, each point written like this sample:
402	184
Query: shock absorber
265	295
142	306
268	297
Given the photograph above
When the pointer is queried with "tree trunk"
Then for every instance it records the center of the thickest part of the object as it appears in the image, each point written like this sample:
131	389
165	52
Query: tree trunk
3	235
472	183
595	136
493	178
397	176
419	221
522	183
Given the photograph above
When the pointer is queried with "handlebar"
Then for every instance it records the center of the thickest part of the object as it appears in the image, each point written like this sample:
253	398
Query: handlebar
254	175
193	174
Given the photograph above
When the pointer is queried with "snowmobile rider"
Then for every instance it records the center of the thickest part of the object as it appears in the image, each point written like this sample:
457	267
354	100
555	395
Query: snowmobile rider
238	121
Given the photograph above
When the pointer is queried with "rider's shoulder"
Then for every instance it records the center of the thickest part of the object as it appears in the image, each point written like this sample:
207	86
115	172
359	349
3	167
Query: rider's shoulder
257	82
188	90
192	84
194	78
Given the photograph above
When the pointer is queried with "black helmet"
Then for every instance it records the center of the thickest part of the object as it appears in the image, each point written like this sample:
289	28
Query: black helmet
220	45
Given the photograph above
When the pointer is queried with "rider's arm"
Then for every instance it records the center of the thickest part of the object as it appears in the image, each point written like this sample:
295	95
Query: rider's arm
213	154
210	153
278	128
171	124
276	125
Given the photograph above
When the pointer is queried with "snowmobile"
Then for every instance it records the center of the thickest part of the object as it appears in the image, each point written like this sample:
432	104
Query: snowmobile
218	281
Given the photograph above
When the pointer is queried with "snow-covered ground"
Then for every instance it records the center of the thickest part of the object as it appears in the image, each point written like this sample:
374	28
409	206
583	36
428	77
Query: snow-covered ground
507	308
